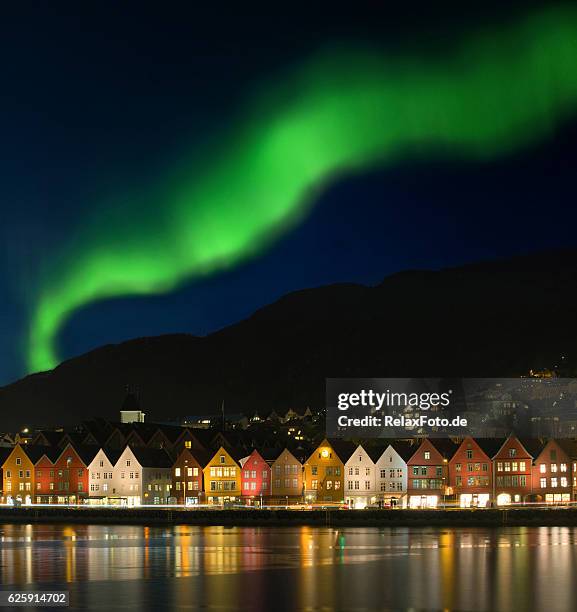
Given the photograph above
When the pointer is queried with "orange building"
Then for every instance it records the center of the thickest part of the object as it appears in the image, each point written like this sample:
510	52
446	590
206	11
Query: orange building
324	475
18	474
222	479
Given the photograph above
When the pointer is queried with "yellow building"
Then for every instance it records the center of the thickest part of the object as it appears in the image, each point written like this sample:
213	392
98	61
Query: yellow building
324	475
222	479
18	474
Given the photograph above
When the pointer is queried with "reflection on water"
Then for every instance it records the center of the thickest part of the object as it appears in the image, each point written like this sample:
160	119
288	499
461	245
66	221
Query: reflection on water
123	567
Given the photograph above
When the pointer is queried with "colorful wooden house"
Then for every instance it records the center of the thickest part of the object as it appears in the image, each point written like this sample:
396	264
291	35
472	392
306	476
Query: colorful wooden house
187	477
552	480
428	479
256	479
471	472
18	474
360	479
222	479
513	470
324	475
391	472
287	479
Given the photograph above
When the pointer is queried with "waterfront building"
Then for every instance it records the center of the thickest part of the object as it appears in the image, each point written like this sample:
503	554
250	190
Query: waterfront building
471	472
256	479
187	477
61	475
141	476
552	474
4	453
101	476
287	479
44	486
222	480
18	474
360	487
391	472
428	478
512	470
324	472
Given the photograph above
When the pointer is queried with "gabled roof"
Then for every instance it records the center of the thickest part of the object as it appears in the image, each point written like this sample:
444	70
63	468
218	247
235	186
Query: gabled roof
270	455
202	457
405	449
569	446
77	439
490	446
533	446
445	446
235	453
86	452
52	438
172	432
113	454
152	457
343	448
36	452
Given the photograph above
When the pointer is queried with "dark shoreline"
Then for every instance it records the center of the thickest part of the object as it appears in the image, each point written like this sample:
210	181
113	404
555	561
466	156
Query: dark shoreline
283	518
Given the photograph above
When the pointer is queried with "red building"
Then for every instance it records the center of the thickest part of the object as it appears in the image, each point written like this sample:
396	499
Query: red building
428	468
512	465
552	481
44	492
61	475
255	478
471	472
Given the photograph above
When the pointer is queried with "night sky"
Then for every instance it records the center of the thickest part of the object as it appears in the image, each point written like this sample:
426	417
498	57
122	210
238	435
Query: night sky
97	102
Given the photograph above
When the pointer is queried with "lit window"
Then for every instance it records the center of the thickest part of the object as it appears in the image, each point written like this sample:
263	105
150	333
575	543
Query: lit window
427	454
543	482
554	468
177	471
554	483
563	467
543	468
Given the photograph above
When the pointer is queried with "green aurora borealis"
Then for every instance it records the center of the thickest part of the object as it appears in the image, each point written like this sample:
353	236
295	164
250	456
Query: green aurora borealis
343	112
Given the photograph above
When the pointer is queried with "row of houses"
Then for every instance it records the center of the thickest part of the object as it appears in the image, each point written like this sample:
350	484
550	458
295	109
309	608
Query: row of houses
172	438
414	474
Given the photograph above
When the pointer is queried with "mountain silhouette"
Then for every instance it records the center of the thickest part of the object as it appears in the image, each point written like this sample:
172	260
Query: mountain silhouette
497	318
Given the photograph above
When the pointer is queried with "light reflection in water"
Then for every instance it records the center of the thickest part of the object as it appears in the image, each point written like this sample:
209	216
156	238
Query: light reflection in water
295	568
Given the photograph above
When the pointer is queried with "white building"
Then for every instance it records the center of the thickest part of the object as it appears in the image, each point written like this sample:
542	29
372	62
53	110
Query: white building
139	476
360	490
132	416
101	476
392	474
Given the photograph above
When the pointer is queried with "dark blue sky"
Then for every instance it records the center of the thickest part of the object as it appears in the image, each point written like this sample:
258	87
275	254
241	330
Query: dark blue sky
94	99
